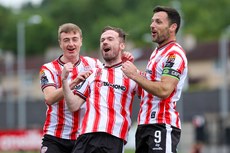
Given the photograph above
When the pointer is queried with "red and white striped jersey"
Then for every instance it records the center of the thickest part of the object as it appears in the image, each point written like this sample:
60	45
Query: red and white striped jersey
60	122
109	96
171	60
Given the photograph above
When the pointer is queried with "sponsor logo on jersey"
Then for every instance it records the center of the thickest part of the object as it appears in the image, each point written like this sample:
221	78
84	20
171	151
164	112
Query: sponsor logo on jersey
115	86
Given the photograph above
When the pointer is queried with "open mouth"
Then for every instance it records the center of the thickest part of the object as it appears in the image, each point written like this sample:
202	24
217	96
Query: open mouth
106	49
154	33
71	49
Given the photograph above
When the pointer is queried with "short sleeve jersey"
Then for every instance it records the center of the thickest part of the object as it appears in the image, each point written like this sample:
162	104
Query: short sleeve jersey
169	60
109	95
60	122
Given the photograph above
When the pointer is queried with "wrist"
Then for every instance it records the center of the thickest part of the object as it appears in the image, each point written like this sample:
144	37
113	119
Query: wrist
63	79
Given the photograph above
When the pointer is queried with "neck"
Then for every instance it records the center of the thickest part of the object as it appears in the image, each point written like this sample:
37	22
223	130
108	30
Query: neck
111	63
72	59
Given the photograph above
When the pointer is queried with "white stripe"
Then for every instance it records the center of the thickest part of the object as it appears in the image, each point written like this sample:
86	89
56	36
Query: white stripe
168	144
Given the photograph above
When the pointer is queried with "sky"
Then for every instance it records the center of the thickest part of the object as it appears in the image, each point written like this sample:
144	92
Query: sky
17	3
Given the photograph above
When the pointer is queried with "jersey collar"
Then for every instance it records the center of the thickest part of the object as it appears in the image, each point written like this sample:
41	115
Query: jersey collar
114	66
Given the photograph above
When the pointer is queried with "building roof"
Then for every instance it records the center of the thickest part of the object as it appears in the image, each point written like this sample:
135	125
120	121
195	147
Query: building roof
206	51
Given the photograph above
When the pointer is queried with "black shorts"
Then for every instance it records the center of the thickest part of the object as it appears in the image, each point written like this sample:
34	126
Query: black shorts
52	144
98	142
157	138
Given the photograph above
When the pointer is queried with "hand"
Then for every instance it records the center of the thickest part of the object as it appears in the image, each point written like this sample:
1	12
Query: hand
68	67
82	76
129	69
126	56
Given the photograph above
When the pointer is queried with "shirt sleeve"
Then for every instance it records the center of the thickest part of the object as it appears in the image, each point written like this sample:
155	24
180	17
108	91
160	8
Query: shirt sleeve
173	65
46	77
83	89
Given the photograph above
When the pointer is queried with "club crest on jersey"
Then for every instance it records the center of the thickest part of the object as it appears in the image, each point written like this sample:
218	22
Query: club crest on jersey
87	68
170	61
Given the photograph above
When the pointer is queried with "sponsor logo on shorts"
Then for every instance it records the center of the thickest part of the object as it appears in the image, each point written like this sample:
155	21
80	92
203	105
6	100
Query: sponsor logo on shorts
157	147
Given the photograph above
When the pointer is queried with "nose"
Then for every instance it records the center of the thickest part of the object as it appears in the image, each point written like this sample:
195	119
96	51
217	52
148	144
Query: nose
71	42
105	42
152	24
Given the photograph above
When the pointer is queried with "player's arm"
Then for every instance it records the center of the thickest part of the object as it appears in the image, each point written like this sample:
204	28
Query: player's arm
53	95
73	101
161	89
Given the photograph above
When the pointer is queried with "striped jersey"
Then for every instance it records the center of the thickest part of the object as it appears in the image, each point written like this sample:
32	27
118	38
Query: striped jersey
169	59
60	122
109	96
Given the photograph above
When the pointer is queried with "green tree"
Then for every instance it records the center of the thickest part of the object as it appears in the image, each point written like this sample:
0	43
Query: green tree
204	19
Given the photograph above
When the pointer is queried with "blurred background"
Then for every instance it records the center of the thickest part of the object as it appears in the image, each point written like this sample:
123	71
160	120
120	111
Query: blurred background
28	39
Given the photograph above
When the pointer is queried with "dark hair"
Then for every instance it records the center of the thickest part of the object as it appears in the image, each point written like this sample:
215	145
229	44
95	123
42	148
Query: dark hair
120	32
173	15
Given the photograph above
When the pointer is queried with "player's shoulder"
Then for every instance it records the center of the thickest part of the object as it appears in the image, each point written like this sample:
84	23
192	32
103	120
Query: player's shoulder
88	58
91	61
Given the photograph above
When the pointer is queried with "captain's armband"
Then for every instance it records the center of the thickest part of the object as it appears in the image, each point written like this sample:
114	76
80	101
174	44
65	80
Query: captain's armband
171	72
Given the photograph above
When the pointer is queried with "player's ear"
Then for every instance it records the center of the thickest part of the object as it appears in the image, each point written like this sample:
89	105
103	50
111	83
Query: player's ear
122	46
173	27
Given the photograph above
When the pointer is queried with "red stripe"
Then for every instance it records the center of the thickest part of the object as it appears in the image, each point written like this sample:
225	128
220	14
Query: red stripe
152	57
177	114
75	119
141	104
60	113
86	117
111	99
84	61
48	117
150	96
150	105
125	128
88	108
97	101
168	118
164	115
167	48
160	114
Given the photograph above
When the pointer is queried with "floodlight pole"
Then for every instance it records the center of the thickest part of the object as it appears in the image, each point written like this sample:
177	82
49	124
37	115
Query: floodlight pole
35	19
223	47
21	74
